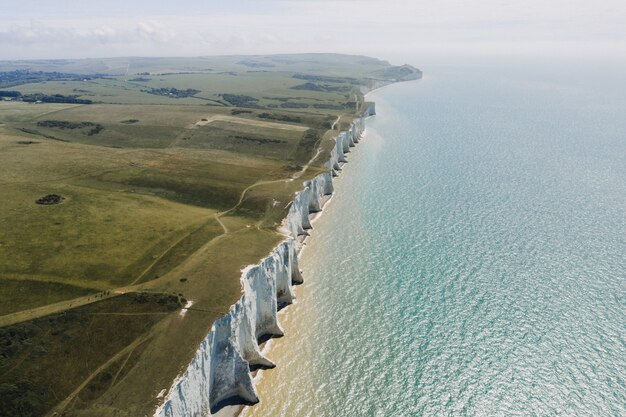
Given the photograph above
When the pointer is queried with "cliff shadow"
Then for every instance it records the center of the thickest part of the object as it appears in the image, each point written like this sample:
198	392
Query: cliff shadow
231	401
282	305
259	367
266	337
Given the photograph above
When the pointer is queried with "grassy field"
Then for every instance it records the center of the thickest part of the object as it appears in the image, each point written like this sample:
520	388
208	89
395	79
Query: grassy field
132	185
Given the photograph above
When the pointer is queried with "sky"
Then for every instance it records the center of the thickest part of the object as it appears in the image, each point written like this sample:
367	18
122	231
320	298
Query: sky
431	32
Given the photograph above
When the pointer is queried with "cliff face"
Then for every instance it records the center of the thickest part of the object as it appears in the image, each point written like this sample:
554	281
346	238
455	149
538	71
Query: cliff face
220	370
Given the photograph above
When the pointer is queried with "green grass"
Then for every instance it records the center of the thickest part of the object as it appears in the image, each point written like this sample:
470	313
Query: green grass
241	138
183	249
268	88
15	294
168	195
15	111
71	242
71	345
201	178
102	234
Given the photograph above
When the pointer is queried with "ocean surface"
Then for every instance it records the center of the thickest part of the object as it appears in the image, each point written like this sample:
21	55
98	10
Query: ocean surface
473	259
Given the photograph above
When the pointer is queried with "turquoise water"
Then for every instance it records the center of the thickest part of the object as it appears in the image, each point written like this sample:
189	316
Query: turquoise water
473	260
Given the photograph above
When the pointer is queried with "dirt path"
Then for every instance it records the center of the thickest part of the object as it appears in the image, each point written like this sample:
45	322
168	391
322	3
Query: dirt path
217	218
259	183
126	351
308	164
157	313
243	121
34	313
119	371
172	246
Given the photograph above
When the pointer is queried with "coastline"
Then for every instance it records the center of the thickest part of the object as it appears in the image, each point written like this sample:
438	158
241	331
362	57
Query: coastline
269	344
288	315
220	370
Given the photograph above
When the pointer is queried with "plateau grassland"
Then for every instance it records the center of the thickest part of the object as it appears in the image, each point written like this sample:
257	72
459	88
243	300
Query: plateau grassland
131	186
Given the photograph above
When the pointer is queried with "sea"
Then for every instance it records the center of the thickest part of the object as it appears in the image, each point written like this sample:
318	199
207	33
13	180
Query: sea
472	261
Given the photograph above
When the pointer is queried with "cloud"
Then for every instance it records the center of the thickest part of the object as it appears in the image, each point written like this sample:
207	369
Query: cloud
39	33
382	28
75	37
155	31
105	34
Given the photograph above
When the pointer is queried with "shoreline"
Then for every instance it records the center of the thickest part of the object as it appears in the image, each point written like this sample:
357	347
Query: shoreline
220	373
269	344
314	217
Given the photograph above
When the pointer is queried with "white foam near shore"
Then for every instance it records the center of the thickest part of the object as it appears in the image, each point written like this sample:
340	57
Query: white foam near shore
220	369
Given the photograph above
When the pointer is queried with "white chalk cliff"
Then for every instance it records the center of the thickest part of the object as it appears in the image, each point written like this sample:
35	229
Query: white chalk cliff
220	369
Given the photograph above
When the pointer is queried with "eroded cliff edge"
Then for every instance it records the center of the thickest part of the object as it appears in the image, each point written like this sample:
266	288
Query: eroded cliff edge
220	369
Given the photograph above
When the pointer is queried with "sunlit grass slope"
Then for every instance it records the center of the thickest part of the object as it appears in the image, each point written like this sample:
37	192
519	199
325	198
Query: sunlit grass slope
113	214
